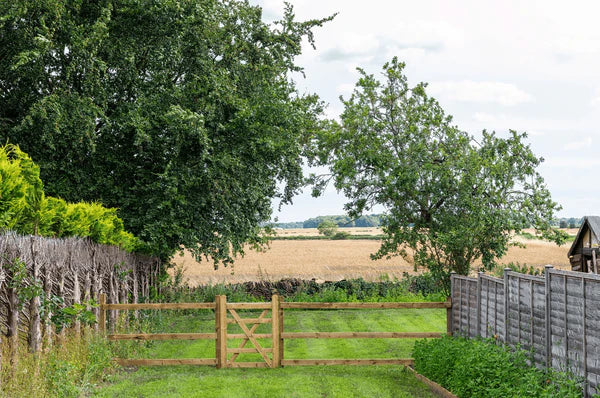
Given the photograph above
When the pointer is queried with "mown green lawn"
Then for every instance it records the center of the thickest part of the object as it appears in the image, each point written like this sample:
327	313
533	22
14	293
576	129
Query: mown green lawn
310	381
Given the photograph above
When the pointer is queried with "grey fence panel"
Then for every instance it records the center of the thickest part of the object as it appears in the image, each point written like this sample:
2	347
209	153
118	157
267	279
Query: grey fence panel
526	314
568	301
491	321
464	314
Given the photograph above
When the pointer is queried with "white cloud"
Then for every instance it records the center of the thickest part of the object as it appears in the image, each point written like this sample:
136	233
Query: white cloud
345	88
506	94
583	163
582	45
352	46
578	144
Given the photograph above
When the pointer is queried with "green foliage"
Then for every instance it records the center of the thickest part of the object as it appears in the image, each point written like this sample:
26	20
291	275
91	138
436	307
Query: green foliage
480	368
341	235
426	284
517	267
563	224
66	316
27	210
345	235
181	114
19	279
21	191
451	199
327	228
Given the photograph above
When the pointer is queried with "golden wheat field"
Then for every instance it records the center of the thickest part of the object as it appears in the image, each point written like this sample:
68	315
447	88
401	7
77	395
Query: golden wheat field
330	260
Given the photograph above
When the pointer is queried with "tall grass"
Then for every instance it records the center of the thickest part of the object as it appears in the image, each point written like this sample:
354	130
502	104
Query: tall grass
72	367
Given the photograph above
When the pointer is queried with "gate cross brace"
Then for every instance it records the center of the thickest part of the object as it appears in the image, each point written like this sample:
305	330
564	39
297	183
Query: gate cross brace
252	330
250	336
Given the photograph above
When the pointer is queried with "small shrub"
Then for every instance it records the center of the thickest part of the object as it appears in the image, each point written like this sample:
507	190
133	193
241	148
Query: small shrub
517	267
327	228
341	235
425	283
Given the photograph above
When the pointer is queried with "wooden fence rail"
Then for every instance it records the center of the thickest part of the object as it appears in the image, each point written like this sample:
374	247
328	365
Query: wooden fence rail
272	357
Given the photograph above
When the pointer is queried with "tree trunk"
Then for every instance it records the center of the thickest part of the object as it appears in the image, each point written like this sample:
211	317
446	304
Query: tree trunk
12	330
123	293
135	287
87	284
76	300
61	293
35	335
114	299
48	317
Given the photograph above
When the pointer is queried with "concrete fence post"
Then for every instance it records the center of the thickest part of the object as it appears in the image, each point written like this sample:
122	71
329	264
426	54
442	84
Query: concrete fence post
479	303
450	311
548	322
506	304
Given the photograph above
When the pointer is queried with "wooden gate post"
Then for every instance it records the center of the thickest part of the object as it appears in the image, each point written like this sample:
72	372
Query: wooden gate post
221	331
102	314
281	345
276	332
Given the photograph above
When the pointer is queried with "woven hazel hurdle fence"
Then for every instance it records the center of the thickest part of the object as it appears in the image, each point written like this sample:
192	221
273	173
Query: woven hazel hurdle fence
555	316
74	270
273	356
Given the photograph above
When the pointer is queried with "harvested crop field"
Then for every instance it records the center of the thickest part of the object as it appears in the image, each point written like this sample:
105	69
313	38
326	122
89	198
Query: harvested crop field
330	260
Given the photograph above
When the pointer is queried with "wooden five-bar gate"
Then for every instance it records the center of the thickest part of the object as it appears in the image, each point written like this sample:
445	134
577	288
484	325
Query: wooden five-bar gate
272	357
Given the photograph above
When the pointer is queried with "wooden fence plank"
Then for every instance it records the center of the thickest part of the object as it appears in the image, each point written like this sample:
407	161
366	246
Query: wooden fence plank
249	306
423	305
247	350
312	362
361	335
250	320
163	336
160	362
248	365
161	306
255	335
435	387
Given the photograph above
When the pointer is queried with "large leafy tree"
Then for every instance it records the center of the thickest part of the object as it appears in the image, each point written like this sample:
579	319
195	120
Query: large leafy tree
183	114
450	199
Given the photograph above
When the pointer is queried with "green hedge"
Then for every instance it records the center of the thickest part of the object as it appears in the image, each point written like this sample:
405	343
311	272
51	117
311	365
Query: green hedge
25	208
480	368
347	290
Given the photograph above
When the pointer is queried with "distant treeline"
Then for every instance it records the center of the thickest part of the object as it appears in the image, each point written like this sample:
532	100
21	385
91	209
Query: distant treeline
374	220
564	222
371	220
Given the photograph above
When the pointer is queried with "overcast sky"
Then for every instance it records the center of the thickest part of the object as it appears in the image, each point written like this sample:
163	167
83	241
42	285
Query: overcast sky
531	66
